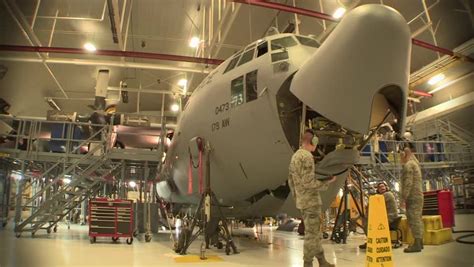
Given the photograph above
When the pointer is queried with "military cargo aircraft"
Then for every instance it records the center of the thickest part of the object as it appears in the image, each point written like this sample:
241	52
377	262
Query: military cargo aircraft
252	108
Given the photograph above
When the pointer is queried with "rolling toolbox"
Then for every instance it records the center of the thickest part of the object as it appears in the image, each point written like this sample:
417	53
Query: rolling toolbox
111	218
440	203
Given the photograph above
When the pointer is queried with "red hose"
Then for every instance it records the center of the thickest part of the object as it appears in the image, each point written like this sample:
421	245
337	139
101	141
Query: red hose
190	175
201	189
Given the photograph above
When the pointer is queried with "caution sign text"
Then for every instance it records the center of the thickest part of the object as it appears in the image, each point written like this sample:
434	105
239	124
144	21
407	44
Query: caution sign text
379	245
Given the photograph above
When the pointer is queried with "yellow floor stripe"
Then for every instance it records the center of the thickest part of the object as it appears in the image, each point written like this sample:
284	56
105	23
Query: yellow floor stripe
195	258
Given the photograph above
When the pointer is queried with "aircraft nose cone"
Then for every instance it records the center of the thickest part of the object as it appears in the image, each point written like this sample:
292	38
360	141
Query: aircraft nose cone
367	54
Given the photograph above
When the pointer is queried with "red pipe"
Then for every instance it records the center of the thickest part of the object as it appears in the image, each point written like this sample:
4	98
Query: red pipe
421	93
432	47
290	9
319	15
114	53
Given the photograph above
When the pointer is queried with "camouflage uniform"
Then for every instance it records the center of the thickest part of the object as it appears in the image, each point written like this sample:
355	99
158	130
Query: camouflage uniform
412	194
391	206
305	189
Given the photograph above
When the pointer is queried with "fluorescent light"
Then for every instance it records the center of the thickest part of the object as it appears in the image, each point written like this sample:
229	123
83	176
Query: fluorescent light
446	84
436	79
53	104
174	107
90	47
194	42
66	181
339	13
183	83
132	184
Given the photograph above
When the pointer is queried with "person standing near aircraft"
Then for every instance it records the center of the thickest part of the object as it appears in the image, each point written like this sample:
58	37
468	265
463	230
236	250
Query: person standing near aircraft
305	189
412	196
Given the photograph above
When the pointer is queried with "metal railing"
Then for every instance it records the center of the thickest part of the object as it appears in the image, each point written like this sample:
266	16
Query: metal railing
35	136
426	151
454	129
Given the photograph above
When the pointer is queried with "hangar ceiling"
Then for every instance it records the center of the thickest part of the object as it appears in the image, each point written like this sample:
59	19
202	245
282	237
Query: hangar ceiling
166	26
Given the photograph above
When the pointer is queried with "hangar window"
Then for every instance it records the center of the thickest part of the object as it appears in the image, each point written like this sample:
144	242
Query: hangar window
237	92
232	63
246	57
251	86
307	41
284	42
262	48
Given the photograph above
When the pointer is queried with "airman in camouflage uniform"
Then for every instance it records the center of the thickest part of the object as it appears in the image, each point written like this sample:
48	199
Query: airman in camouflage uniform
305	189
412	196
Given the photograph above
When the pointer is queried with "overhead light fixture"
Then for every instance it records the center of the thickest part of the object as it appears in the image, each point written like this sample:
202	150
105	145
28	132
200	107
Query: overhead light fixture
132	184
449	83
53	104
174	107
194	42
183	83
339	13
436	79
90	47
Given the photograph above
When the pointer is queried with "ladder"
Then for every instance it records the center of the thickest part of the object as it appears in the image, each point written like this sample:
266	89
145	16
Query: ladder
68	196
462	140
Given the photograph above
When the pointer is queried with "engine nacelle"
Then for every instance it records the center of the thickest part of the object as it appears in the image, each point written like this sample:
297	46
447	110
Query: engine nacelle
360	71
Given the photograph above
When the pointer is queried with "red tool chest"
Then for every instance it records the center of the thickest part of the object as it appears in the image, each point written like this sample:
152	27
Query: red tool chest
440	202
111	218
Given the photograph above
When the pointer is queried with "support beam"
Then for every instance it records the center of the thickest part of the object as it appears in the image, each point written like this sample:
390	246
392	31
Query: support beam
101	18
285	8
107	63
31	37
441	109
112	53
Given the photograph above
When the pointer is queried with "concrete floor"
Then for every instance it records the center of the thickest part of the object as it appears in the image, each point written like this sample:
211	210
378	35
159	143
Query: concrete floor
72	248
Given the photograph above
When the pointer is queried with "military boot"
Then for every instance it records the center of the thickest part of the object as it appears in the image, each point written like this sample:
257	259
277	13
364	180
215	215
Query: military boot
323	262
416	247
308	264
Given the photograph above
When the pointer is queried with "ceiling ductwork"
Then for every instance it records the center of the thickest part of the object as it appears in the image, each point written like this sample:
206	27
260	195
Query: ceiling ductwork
103	78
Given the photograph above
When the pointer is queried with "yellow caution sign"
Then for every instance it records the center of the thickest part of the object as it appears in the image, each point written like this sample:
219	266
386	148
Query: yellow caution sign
379	245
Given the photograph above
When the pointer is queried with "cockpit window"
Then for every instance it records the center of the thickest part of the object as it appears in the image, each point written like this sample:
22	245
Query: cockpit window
279	56
262	49
251	86
284	42
237	91
246	57
307	41
232	63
